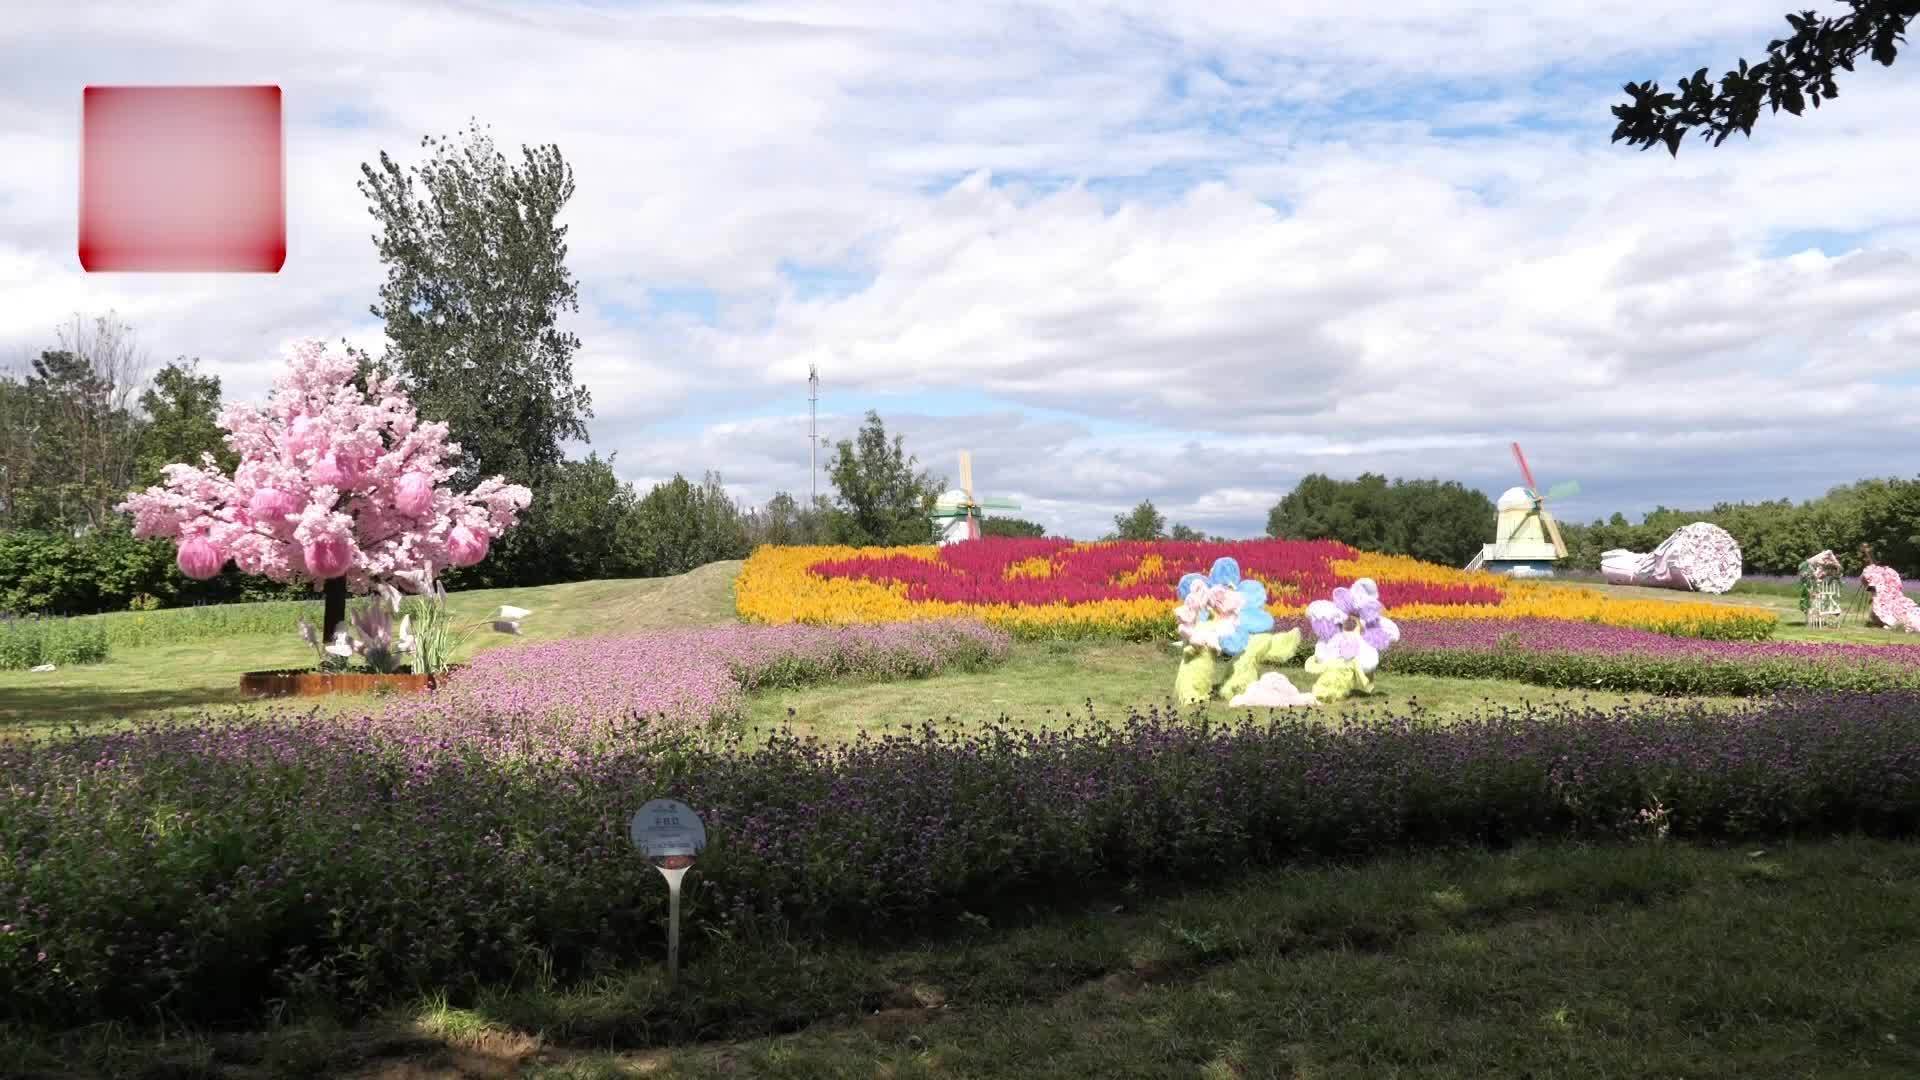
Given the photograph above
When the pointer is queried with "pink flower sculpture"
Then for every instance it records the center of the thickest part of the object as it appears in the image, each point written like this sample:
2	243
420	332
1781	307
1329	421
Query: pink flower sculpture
330	473
271	505
199	559
333	481
328	557
1891	605
414	494
466	547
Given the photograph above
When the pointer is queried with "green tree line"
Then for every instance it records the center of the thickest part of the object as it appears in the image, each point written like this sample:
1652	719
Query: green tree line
1776	536
1446	522
1438	521
77	440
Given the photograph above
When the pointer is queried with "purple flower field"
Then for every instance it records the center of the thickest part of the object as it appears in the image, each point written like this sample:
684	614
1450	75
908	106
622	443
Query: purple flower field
571	698
1556	635
1582	655
221	868
464	838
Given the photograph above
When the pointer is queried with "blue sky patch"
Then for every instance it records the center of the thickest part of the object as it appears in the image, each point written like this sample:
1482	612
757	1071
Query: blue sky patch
1830	242
823	282
346	117
696	300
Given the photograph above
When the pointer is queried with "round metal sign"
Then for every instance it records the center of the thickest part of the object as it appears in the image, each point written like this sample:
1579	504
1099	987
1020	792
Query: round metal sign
668	829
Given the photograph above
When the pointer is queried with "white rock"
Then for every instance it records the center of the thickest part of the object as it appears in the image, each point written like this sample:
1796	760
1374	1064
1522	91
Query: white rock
1273	691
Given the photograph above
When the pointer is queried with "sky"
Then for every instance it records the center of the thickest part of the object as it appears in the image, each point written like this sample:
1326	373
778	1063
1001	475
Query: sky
1185	251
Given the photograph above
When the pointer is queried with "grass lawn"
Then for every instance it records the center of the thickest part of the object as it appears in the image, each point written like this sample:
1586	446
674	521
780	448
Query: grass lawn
1045	686
196	674
1773	602
1640	960
1793	624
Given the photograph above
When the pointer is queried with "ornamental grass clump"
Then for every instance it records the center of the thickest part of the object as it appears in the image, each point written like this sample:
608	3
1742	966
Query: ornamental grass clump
138	629
217	870
36	639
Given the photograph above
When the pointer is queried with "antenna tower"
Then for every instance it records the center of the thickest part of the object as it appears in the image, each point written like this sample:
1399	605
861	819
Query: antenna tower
813	432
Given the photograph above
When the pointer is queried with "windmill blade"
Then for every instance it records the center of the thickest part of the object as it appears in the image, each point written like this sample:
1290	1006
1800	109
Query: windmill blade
966	474
1553	530
1563	491
1525	473
997	504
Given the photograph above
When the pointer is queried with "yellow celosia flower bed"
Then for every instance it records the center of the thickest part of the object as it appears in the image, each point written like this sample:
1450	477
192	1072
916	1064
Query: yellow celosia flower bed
1150	567
1037	567
779	585
1548	600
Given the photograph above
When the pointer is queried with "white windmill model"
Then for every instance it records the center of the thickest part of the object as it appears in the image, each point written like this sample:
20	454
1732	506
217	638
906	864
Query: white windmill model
1527	540
956	513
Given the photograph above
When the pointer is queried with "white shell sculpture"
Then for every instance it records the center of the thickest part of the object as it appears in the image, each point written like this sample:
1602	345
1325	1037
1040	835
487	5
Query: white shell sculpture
1702	557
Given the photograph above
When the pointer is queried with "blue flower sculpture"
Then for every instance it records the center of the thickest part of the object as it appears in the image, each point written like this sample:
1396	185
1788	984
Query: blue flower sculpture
1240	605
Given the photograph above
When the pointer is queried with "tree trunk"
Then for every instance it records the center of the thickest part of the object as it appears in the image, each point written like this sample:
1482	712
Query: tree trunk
335	612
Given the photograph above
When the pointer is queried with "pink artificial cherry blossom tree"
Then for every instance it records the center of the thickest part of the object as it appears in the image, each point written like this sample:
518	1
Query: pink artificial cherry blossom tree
335	486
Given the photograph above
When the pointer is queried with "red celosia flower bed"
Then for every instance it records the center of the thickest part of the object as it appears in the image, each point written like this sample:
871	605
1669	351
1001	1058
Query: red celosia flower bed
1294	572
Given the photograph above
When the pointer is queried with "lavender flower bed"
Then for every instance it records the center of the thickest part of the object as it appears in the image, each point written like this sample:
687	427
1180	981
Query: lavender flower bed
1557	635
1789	584
567	698
1555	652
219	869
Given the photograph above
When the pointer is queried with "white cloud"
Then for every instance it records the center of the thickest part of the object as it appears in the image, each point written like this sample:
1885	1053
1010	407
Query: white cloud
1319	238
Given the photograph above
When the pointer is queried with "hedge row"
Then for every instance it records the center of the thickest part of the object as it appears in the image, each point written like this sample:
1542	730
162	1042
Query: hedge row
108	570
1632	673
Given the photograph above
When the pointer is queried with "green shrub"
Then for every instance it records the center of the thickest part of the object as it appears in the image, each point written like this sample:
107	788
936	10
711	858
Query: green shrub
108	570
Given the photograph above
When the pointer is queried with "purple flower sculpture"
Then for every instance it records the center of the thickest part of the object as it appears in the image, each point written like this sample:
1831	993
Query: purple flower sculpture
1353	630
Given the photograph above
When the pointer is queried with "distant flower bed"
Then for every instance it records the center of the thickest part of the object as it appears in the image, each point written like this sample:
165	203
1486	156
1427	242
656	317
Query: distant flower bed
220	869
1295	572
1057	588
1560	653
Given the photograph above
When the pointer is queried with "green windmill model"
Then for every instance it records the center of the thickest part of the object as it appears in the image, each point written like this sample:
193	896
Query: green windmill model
956	513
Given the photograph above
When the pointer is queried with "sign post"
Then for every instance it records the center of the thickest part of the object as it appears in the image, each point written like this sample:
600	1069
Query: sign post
669	834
